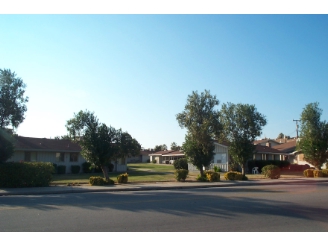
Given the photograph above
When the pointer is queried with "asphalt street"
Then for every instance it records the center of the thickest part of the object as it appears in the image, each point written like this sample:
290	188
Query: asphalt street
275	208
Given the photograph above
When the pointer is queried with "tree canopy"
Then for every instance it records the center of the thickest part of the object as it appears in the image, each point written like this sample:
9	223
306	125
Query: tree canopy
175	147
100	144
242	124
160	147
12	100
202	122
313	140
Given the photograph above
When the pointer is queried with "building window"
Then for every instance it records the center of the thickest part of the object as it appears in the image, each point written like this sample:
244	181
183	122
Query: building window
73	157
60	157
30	156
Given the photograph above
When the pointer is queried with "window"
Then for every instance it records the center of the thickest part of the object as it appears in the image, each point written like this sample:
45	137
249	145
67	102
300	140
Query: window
73	157
60	157
30	156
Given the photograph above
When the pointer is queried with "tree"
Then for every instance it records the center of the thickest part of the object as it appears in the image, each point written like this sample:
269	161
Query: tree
242	124
100	144
128	146
6	146
313	140
197	153
160	147
202	122
175	147
12	100
281	135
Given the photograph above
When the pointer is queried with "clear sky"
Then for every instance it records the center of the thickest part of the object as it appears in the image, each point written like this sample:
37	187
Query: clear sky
136	71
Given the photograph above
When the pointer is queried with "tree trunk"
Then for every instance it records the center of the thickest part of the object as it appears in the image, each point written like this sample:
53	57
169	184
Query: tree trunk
201	171
243	167
105	172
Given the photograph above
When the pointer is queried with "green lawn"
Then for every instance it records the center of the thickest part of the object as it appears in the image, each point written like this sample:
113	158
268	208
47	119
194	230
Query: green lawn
148	172
140	172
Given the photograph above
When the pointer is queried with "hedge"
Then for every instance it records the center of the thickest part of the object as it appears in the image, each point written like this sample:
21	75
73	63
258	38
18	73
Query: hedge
26	174
262	163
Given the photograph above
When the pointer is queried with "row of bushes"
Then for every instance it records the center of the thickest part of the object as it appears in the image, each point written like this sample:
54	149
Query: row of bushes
99	181
315	173
86	168
26	174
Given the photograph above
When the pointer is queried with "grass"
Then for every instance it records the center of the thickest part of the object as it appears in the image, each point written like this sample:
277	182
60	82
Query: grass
148	172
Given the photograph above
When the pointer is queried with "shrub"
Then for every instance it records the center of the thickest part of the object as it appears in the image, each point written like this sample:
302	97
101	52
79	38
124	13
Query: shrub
216	169
154	161
61	169
325	172
262	163
317	173
148	160
75	169
55	168
201	178
212	176
271	171
181	164
86	167
122	178
99	181
25	174
233	175
308	173
181	174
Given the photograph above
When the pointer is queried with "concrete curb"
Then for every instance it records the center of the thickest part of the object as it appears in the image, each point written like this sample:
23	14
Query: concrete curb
150	186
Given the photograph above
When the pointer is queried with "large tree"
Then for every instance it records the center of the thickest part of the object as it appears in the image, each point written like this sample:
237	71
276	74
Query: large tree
202	122
313	140
12	100
100	144
242	124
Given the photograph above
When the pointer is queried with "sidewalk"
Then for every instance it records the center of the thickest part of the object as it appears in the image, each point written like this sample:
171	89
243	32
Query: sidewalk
85	188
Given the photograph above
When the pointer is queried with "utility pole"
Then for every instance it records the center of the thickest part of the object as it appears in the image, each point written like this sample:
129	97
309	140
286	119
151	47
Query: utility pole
296	128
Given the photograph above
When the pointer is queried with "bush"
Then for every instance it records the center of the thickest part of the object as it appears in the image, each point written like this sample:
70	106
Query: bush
75	169
317	173
154	161
99	181
308	173
148	160
201	178
181	164
86	167
262	163
271	171
212	176
61	169
216	169
122	178
325	172
233	175
55	168
26	174
181	174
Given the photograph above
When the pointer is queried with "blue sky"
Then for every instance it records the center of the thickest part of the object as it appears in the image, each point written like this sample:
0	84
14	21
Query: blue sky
136	71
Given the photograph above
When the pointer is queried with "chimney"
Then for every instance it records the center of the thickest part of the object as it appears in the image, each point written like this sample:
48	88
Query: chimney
268	144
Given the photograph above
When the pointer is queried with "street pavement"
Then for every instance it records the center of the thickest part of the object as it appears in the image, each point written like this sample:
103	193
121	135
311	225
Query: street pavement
85	188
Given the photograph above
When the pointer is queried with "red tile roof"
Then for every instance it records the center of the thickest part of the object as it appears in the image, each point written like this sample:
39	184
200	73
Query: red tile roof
45	144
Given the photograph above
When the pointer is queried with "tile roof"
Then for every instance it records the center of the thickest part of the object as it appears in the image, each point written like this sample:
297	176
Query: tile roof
45	144
265	149
179	152
286	147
